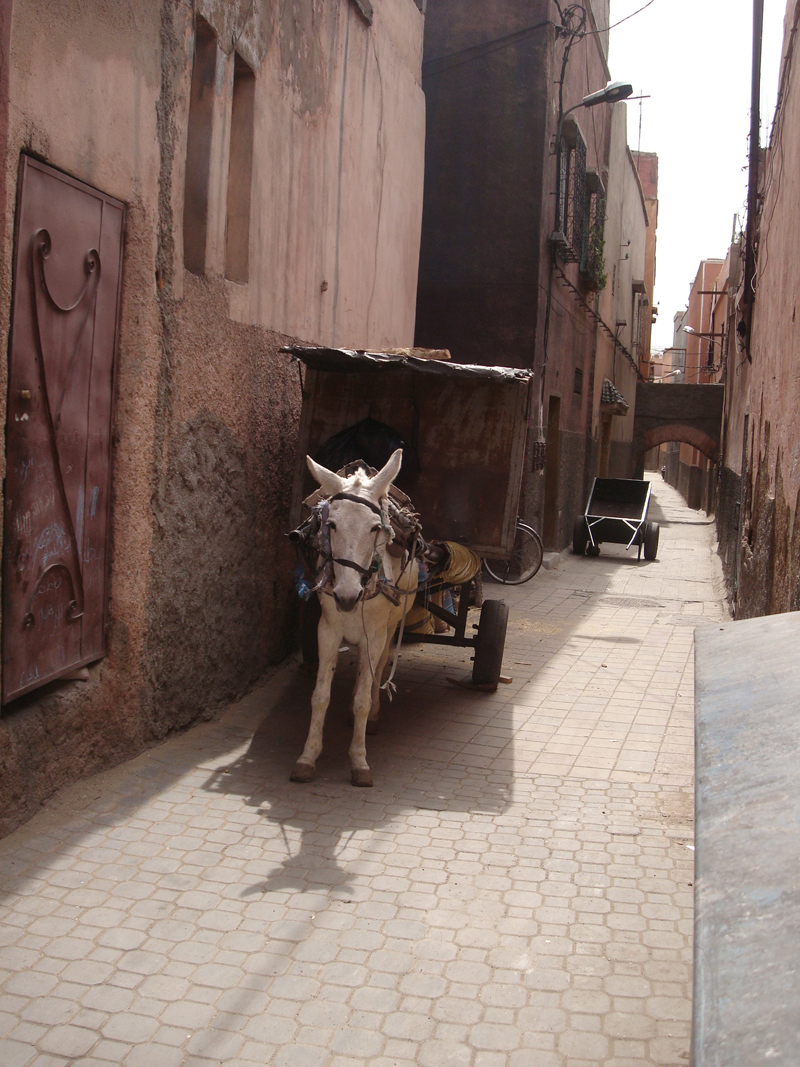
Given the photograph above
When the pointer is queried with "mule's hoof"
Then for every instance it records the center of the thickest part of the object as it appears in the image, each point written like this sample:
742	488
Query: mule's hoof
302	772
361	776
373	727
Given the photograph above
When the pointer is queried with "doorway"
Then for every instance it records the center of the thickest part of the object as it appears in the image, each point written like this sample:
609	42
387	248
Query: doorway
550	525
61	356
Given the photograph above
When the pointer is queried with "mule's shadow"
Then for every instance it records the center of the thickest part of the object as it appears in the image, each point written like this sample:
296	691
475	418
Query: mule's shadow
317	837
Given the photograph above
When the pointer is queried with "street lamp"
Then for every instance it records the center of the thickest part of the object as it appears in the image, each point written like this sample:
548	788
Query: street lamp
710	366
613	92
699	333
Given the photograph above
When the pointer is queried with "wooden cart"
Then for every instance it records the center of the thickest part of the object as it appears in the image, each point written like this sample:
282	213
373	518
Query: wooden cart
464	430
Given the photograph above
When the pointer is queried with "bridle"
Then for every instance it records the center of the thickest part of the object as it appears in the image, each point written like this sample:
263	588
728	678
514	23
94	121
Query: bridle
365	572
325	581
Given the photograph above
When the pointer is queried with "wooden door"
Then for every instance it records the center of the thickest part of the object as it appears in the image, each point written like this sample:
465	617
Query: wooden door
67	275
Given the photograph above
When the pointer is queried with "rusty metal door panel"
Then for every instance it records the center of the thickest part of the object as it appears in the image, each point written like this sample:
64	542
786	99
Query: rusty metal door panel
469	435
67	274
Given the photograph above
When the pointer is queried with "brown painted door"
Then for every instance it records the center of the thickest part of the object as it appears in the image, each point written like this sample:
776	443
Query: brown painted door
67	273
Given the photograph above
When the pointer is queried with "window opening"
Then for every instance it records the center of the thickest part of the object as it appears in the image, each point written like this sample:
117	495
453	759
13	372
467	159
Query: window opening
572	193
593	254
240	172
198	148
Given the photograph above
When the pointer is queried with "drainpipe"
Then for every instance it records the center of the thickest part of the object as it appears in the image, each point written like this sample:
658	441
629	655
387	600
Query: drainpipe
752	181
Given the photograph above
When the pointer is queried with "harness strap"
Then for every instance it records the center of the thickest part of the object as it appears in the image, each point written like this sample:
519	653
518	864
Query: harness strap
358	500
356	566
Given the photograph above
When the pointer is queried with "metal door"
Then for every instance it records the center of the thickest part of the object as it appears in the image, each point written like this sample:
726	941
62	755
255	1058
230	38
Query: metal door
67	274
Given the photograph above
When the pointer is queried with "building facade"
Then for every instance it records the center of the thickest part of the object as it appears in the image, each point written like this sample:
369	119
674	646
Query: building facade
514	252
186	187
695	476
624	305
759	507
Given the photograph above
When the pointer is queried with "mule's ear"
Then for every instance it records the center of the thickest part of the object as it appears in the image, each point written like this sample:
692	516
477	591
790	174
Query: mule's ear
384	478
331	483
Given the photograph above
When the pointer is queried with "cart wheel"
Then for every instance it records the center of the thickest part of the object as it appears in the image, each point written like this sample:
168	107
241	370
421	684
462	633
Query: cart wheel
651	540
490	642
580	535
593	550
312	613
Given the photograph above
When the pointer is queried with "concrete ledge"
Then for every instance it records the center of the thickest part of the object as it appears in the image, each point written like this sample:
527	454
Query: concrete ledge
747	877
551	560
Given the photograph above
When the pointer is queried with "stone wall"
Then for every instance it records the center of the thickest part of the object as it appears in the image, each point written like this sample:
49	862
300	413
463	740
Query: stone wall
207	407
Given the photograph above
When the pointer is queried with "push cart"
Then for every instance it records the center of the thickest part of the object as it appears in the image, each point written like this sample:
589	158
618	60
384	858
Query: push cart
617	513
463	432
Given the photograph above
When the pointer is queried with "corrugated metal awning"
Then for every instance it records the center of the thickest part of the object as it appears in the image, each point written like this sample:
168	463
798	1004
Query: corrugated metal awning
349	361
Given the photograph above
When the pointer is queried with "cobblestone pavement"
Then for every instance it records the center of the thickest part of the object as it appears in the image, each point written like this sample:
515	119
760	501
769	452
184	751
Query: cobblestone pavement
514	892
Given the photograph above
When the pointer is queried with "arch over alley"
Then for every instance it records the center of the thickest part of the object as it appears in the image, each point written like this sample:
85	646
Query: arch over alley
691	414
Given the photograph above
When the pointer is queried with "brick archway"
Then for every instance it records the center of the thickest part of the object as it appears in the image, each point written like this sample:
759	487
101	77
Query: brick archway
675	431
691	414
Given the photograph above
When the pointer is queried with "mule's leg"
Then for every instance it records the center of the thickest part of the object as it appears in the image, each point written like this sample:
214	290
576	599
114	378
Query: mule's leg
362	702
375	695
329	640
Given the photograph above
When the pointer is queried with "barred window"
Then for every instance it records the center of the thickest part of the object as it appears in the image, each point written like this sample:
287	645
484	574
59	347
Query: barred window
593	259
572	192
637	330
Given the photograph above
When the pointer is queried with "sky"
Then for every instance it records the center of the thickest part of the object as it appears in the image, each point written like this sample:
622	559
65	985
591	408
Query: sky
692	58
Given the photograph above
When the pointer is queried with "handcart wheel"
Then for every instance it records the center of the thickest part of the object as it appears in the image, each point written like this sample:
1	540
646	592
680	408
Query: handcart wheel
490	642
593	550
651	540
580	535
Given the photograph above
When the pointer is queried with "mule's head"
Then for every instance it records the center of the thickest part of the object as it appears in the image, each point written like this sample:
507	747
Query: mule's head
355	525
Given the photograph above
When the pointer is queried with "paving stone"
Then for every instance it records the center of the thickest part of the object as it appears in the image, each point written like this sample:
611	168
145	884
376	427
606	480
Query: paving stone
16	1054
69	1041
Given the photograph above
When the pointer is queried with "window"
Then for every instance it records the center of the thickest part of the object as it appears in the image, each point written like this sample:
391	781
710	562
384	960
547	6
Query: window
240	173
578	385
637	317
593	258
572	192
198	148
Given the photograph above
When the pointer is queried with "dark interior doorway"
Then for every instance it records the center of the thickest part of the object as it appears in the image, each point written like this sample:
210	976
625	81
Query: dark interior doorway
550	527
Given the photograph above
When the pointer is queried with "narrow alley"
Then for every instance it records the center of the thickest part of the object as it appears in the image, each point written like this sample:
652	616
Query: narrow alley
516	891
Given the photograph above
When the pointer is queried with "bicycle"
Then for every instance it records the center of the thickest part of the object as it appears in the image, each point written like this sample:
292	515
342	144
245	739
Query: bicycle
524	562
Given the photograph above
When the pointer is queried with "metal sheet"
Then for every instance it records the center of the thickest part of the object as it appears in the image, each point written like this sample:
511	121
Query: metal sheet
350	361
747	905
467	425
61	361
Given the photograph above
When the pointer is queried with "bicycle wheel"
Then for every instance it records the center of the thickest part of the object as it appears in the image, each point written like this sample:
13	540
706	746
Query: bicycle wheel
525	561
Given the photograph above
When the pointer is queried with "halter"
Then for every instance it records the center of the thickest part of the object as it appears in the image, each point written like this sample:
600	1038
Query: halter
322	544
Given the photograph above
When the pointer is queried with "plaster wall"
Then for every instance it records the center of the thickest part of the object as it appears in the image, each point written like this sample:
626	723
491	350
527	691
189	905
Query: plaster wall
207	408
647	168
699	319
626	235
486	105
770	562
